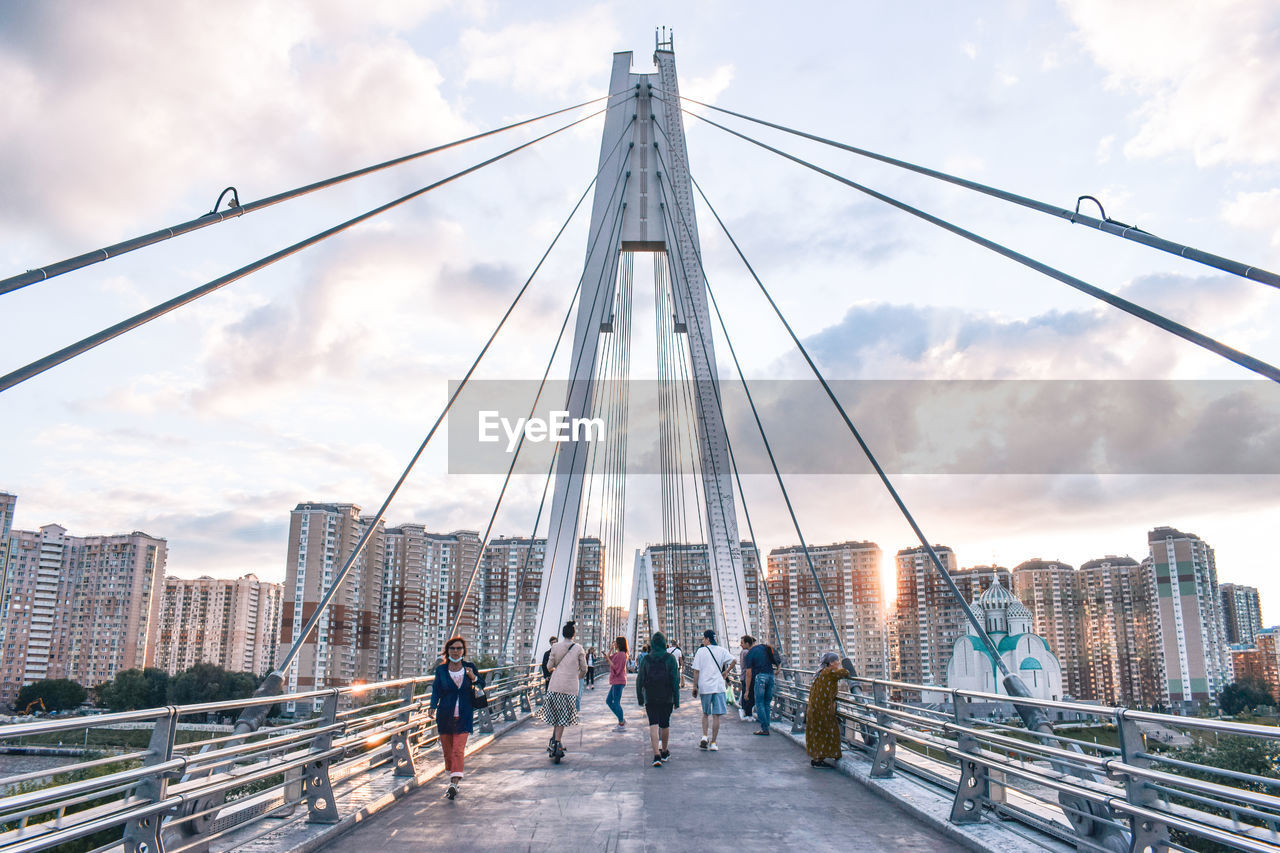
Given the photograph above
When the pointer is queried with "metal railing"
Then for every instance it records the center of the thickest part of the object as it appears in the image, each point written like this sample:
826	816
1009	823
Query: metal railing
182	795
1125	791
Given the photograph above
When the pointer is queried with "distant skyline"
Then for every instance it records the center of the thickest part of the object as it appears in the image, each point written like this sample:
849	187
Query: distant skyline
317	378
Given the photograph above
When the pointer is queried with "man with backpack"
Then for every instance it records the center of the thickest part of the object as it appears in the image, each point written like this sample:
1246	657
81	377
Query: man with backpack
758	669
710	665
658	692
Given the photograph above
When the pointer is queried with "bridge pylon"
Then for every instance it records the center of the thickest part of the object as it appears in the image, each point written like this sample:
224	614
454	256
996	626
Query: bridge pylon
643	202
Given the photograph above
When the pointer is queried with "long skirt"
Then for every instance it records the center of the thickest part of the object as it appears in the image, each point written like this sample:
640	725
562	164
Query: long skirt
560	709
822	732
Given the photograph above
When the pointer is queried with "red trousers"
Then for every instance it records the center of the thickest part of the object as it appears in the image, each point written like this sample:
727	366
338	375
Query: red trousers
455	749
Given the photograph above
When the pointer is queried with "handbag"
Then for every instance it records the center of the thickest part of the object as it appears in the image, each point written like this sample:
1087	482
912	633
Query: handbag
478	697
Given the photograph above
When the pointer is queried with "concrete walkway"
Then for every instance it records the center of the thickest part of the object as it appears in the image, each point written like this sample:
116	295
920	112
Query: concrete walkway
754	794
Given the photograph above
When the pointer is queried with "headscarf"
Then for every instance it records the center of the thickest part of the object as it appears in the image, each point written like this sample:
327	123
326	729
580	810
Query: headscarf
827	657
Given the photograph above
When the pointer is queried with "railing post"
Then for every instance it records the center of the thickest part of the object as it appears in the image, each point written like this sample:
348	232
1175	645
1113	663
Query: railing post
798	708
508	707
401	742
975	782
1146	834
486	721
316	786
142	834
886	744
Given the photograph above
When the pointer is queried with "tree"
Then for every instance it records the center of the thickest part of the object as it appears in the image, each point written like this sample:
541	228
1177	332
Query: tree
208	682
1244	695
135	688
57	694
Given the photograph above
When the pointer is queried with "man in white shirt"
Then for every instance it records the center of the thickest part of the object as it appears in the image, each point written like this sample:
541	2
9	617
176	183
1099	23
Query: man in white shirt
710	665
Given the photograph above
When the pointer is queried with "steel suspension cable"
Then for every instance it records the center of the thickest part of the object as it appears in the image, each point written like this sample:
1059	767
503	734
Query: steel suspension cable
37	367
515	457
689	309
1105	225
813	571
607	273
1160	321
215	216
325	600
884	478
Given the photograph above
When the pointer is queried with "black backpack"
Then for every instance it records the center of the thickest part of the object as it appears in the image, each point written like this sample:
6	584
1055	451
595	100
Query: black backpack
657	682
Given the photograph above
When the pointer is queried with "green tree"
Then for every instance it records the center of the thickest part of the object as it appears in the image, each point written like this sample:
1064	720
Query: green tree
1244	695
57	694
135	688
208	682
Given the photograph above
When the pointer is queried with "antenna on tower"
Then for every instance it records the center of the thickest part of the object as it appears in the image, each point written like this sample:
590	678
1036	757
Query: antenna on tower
665	41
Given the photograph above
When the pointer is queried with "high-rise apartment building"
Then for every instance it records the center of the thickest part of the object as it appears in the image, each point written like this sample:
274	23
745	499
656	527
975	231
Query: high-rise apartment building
77	607
1241	612
1051	591
229	622
511	578
682	591
1189	608
927	617
1121	662
1261	662
346	643
426	577
848	575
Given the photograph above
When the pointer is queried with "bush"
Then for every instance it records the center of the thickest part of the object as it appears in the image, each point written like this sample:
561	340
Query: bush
57	694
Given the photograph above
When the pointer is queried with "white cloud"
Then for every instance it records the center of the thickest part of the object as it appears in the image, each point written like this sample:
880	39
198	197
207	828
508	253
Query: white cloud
970	49
1209	73
235	93
1258	210
711	87
1105	145
555	55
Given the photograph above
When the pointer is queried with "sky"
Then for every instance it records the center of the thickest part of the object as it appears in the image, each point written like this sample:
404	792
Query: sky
316	379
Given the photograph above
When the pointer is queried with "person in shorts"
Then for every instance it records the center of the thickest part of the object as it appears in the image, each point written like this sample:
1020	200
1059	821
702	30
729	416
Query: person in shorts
658	691
711	664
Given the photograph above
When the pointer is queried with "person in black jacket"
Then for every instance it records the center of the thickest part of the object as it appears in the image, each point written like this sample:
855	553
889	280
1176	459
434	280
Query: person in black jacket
451	692
658	691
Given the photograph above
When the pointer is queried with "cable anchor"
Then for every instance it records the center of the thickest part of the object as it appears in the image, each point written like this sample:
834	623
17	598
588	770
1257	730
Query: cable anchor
1103	213
232	204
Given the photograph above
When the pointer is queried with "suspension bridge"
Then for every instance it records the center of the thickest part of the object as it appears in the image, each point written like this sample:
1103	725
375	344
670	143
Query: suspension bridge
356	773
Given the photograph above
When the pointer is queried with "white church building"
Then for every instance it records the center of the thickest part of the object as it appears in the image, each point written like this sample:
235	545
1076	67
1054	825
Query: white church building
1008	622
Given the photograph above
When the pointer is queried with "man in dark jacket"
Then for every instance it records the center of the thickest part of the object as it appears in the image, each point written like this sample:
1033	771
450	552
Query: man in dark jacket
658	691
546	673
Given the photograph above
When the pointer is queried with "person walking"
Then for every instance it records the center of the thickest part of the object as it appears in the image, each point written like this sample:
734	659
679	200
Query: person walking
617	681
546	673
760	663
567	663
710	665
591	668
455	684
658	692
746	701
822	725
679	656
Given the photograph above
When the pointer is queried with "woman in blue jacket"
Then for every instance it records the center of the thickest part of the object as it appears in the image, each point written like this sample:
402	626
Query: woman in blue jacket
451	706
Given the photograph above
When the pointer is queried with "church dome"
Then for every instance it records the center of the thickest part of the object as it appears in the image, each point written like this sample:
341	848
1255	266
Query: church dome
997	596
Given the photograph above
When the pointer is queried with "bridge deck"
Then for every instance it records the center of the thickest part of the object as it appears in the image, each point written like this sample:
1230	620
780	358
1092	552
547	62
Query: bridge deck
756	793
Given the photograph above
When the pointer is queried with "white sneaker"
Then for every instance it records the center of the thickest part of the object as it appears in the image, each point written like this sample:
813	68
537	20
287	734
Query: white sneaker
713	747
742	715
702	744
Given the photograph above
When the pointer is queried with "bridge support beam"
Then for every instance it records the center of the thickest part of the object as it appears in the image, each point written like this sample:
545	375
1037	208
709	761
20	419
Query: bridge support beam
975	780
402	740
316	787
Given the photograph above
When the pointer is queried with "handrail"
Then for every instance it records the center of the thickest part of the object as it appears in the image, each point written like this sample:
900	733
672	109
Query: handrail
365	730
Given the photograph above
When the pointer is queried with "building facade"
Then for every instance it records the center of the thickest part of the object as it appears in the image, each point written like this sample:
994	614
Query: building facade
1241	613
927	618
1189	608
345	644
848	576
1051	591
682	591
77	607
1118	631
229	622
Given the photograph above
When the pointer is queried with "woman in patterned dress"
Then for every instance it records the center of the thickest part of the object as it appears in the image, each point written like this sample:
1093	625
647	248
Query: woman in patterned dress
567	663
822	726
